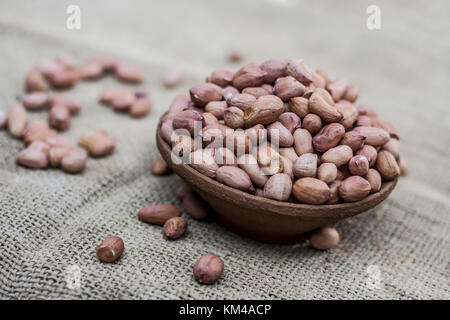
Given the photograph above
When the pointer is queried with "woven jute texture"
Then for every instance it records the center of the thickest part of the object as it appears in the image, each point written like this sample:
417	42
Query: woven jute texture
50	221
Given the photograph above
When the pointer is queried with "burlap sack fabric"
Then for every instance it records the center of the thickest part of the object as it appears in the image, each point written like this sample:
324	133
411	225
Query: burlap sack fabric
50	222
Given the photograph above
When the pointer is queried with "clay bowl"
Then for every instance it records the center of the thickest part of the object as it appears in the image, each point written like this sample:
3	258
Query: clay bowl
265	219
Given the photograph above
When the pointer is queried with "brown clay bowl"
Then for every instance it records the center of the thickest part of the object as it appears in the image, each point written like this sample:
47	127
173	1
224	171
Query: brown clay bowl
265	219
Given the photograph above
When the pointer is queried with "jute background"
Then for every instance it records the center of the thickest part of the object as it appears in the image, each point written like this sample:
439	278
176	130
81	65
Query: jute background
50	222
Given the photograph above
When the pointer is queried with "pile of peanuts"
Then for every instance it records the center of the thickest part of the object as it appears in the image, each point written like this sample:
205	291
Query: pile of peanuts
44	146
282	131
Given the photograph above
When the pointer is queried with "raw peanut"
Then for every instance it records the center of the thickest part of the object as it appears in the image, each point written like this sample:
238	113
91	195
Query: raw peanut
278	187
352	93
188	119
17	119
167	129
277	130
209	119
110	249
324	238
58	141
349	113
354	188
259	192
249	164
173	76
328	137
124	100
180	103
183	191
208	268
311	191
221	77
217	108
363	121
224	156
108	63
303	142
358	165
49	66
33	156
236	55
334	192
287	88
129	74
59	117
38	130
299	106
256	91
339	155
141	107
393	146
327	172
309	91
234	117
90	70
159	166
35	100
364	110
312	123
305	165
387	165
300	71
63	79
374	136
158	214
98	143
340	175
35	81
325	76
250	75
229	91
268	88
386	125
204	93
274	68
265	110
242	101
337	88
3	119
321	104
290	121
374	179
289	153
234	177
73	106
202	161
175	227
194	206
56	154
288	167
40	146
353	139
370	153
74	160
403	166
318	81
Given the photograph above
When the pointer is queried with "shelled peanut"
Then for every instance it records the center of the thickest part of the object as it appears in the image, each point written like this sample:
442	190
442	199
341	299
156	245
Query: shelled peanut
284	132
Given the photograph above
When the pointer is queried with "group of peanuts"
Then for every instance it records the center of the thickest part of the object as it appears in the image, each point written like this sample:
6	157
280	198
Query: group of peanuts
44	146
330	149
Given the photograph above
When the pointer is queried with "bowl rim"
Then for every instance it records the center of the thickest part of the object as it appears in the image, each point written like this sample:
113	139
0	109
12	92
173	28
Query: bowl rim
245	199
